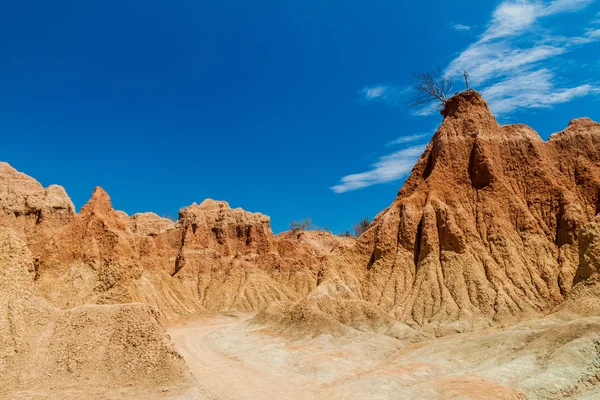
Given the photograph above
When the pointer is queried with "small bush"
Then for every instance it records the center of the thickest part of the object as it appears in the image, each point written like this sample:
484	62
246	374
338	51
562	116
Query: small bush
301	225
362	226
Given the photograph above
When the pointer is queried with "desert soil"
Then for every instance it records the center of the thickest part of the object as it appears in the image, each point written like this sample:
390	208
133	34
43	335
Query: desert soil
231	358
223	376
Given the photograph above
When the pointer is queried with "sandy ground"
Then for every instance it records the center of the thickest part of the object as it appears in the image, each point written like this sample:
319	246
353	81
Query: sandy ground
223	376
545	359
231	359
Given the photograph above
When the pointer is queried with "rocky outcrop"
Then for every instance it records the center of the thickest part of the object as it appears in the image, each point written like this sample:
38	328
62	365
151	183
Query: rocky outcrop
485	229
42	347
583	298
148	224
25	203
213	258
232	261
589	252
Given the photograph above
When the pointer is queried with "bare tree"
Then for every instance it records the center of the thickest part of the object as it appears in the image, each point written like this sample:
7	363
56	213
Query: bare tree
361	226
301	225
431	86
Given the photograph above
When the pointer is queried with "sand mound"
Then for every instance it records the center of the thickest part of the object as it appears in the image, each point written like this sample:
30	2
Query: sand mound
42	347
332	316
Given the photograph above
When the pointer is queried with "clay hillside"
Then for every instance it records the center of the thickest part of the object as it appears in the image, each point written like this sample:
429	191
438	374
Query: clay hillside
493	227
485	231
213	258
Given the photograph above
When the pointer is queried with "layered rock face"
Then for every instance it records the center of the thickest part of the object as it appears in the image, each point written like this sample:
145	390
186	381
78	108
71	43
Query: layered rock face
484	230
24	203
213	258
583	298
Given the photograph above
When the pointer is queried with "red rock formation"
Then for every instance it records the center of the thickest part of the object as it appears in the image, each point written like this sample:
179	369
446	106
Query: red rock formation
484	230
24	203
231	259
213	258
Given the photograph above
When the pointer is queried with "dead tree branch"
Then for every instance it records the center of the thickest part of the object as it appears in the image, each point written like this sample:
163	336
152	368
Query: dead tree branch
431	86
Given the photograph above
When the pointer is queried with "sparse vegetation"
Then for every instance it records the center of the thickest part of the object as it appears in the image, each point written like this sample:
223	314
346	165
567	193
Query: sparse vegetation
361	226
431	86
301	225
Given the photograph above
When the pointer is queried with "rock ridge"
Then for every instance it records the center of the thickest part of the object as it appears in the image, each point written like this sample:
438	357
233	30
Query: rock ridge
485	231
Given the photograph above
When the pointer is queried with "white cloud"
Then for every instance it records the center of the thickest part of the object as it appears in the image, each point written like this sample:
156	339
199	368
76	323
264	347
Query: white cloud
534	89
593	34
429	109
461	27
515	53
392	95
513	17
494	60
409	139
375	92
511	63
560	6
388	168
497	52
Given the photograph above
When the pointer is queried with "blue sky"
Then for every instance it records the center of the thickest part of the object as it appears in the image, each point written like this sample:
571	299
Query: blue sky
293	109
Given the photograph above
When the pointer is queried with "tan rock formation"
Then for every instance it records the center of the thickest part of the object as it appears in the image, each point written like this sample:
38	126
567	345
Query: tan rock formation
42	347
148	224
231	259
493	226
483	232
584	298
213	258
24	203
485	229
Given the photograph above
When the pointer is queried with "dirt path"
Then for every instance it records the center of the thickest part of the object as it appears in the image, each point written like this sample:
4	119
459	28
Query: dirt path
224	377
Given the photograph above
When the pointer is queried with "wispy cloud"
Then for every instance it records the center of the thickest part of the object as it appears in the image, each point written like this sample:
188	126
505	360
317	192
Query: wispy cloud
513	62
375	92
514	17
498	59
388	168
389	94
535	89
514	48
559	6
461	27
511	18
410	139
